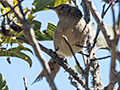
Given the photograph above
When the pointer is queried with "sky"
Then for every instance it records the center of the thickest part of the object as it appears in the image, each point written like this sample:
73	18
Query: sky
14	72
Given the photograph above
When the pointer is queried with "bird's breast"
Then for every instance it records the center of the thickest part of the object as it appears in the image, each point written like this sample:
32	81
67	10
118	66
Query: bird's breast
73	33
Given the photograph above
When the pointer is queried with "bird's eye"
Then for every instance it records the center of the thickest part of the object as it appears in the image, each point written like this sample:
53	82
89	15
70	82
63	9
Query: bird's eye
61	7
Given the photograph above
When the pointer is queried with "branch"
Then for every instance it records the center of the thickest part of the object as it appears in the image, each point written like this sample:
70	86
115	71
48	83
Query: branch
60	61
95	39
102	25
25	83
10	9
95	72
20	8
74	83
75	2
80	46
29	32
104	12
116	79
100	58
65	38
81	52
113	53
86	12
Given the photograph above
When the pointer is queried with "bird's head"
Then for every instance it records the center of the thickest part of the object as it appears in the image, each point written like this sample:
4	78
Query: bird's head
66	10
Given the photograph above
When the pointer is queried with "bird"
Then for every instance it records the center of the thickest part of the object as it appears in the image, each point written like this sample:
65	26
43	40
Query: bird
71	25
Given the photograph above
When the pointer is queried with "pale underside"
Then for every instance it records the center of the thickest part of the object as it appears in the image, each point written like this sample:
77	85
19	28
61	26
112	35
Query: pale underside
76	33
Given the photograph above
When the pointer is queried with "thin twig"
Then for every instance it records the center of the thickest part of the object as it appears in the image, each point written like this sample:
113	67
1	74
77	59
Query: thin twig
25	83
80	46
83	54
75	2
65	38
103	9
100	58
95	39
86	12
104	12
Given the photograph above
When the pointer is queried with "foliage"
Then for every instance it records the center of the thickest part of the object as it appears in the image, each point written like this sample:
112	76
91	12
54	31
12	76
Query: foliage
9	34
46	34
16	52
3	84
11	30
101	42
42	4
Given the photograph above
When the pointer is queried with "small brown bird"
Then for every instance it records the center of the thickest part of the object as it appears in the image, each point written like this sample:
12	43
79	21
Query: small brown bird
73	27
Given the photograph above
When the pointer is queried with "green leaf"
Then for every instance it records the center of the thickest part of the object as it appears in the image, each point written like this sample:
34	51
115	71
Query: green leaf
30	17
46	34
42	4
78	69
3	84
36	24
101	42
16	52
58	2
50	30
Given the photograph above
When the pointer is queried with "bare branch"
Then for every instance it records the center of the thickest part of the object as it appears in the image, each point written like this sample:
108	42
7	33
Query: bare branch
113	53
75	83
80	46
81	52
116	79
25	83
86	12
89	43
104	12
65	38
96	78
100	58
102	25
20	8
95	39
60	61
76	2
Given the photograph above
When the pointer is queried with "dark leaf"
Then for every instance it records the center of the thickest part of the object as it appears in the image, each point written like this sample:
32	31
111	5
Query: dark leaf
46	34
3	84
16	52
35	24
42	4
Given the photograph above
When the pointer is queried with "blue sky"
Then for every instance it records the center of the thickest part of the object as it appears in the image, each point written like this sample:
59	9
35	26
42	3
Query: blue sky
14	72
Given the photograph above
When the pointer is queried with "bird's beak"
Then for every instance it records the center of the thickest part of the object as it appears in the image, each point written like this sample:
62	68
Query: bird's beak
53	8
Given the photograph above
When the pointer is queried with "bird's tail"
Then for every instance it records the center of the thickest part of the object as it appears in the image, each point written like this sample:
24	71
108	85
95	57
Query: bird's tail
54	66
